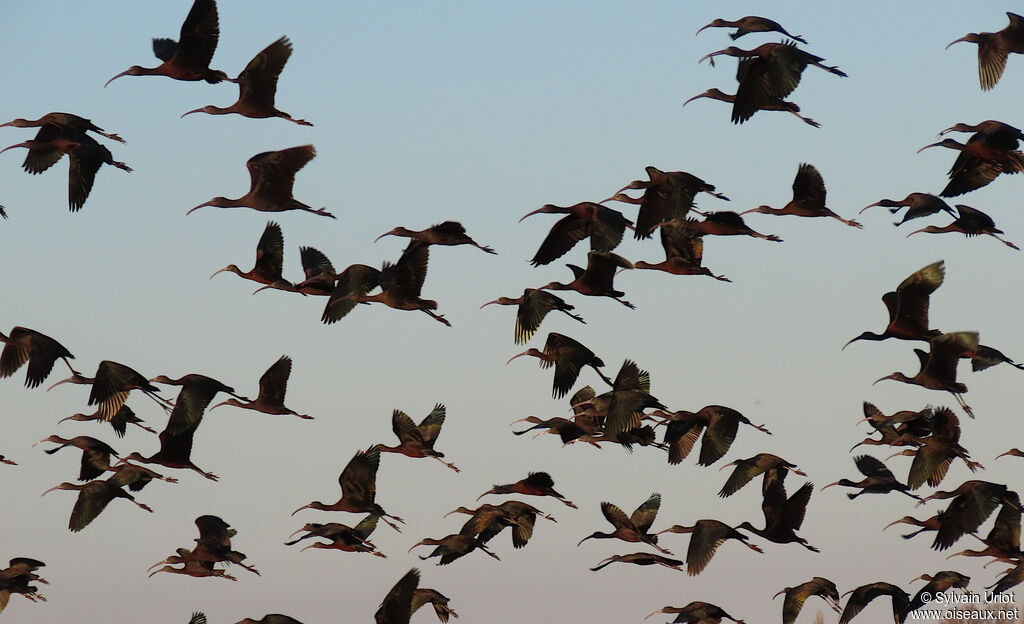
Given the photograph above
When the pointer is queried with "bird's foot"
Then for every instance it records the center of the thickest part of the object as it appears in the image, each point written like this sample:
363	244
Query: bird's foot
377	553
626	303
122	166
569	503
169	479
228	577
323	211
301	122
721	278
112	136
144	506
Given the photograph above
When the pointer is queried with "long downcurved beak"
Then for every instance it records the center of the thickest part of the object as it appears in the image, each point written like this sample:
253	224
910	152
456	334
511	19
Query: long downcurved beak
659	610
389	234
726	466
515	356
125	73
829	485
882	379
299	509
927	146
916	232
538	211
869	206
225	268
198	110
488	303
414	546
957	41
696	97
197	208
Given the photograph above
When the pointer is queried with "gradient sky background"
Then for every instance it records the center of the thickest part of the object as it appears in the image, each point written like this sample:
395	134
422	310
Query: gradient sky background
482	112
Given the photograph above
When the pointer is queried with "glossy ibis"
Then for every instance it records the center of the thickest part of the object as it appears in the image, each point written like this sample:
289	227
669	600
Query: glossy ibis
724	223
189	57
719	425
273	385
667	195
93	498
1014	452
436	599
535	484
808	198
771	466
706	536
1003	540
269	258
938	367
971	222
878	479
797	595
568	356
342	537
396	608
783	517
96	454
400	284
936	452
751	24
933	523
768	73
864	594
981	160
65	120
111	386
633	528
994	47
119	421
487	521
257	86
319	272
191	566
684	251
447	233
697	612
917	204
197	391
358	481
937	584
38	350
84	152
908	306
451	547
973	502
534	305
418	441
596	280
604	226
644	559
272	176
1011	578
777	104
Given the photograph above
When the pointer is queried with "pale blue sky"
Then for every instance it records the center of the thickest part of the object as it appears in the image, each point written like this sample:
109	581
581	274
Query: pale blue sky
482	112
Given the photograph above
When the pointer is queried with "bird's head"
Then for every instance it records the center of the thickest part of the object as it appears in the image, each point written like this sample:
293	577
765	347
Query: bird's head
950	143
219	202
762	208
17	123
501	301
134	70
531	351
232	268
208	109
969	38
398	231
713	94
543	209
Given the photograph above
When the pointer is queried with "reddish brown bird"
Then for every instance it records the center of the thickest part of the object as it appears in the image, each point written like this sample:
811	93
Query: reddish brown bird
937	584
342	537
908	306
971	222
1014	452
93	498
782	516
938	367
358	481
768	73
994	47
273	385
985	155
568	356
85	154
451	547
751	24
878	479
918	205
38	350
534	305
418	441
864	594
269	258
771	466
933	523
808	198
604	226
973	502
698	612
487	521
719	424
535	484
119	422
937	451
257	86
726	223
96	454
111	386
175	452
797	595
438	600
271	178
197	391
447	233
684	252
1003	541
189	57
777	104
69	121
400	284
319	272
633	528
191	566
644	559
707	536
667	195
396	607
596	280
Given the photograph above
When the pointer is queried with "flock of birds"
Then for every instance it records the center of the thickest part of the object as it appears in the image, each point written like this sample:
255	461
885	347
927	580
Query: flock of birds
626	414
